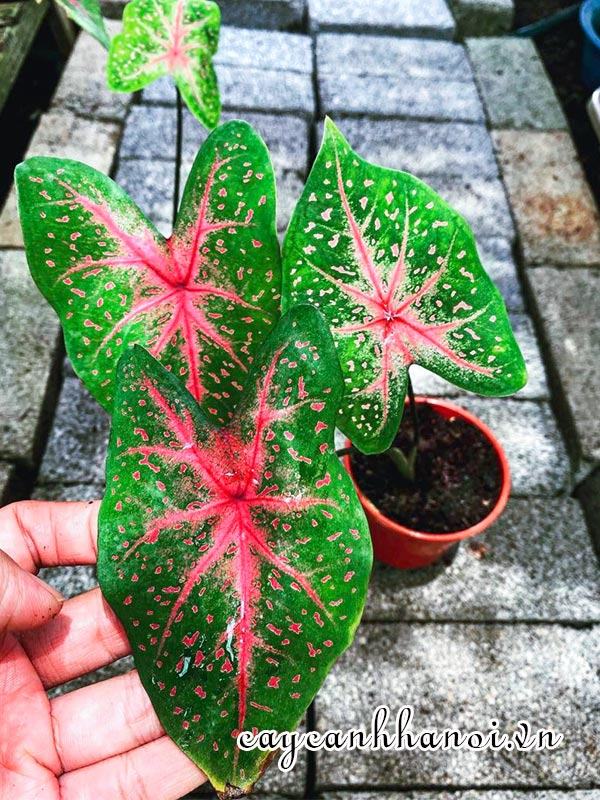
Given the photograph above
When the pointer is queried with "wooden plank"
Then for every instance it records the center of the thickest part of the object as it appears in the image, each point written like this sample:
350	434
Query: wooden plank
21	22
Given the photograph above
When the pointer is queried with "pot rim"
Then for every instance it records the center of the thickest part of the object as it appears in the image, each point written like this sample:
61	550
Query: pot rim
586	13
446	538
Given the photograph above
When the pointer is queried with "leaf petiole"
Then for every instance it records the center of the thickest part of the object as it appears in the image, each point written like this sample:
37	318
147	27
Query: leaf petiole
404	463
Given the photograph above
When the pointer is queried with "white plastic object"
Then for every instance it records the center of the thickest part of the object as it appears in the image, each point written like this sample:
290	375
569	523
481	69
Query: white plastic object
593	108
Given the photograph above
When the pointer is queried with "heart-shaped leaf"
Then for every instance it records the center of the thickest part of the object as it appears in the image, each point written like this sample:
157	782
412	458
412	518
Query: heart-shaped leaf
238	557
201	301
396	273
175	37
88	15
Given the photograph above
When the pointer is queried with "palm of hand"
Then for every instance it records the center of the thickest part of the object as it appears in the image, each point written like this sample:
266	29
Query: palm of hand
102	741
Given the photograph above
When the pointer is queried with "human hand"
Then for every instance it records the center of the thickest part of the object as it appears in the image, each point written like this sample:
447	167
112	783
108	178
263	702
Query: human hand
101	742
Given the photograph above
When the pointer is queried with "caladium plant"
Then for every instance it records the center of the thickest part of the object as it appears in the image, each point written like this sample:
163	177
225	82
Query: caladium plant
396	273
201	301
236	557
88	15
169	37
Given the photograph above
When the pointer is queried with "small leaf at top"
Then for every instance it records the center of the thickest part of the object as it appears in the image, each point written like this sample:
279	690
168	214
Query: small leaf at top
88	15
396	273
201	301
175	37
237	558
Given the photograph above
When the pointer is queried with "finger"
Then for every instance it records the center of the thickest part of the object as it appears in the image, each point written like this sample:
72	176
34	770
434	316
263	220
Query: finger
25	601
84	636
36	533
118	707
155	771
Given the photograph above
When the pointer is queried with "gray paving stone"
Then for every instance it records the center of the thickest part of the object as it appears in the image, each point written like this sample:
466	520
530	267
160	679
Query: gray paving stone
250	89
6	480
535	564
77	443
407	18
260	49
387	56
482	17
278	14
530	437
70	581
471	794
516	89
462	676
150	134
291	784
289	189
150	183
555	212
57	492
399	97
482	201
432	148
29	344
62	133
386	77
568	304
428	383
287	138
83	88
497	258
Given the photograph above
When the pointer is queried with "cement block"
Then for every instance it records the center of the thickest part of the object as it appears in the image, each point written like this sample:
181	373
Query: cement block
555	212
517	92
462	676
536	564
432	20
29	345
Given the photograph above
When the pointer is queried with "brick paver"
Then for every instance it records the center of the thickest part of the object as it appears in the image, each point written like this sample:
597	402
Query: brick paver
515	86
407	18
563	298
29	332
511	628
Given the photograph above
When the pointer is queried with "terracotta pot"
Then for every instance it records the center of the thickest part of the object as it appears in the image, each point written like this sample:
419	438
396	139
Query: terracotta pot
405	548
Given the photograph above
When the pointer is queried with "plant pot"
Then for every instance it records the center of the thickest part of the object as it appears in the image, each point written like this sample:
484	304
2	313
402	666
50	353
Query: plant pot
405	548
589	17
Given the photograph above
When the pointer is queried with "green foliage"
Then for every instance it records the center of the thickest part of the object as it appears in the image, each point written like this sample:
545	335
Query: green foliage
396	273
237	558
174	37
202	301
88	15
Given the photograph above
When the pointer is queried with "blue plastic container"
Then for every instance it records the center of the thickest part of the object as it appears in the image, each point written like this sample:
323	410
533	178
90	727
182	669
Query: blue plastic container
589	16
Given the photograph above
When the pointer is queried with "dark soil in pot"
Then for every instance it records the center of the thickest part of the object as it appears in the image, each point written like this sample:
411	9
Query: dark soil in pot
458	476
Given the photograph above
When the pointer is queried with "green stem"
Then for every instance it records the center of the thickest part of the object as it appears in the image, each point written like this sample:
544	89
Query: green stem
404	464
178	146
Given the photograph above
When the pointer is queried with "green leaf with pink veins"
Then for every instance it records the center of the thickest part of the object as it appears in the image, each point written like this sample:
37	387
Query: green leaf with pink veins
88	15
169	37
396	273
237	557
201	301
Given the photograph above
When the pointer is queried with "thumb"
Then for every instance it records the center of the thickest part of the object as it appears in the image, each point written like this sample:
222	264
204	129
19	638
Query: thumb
25	601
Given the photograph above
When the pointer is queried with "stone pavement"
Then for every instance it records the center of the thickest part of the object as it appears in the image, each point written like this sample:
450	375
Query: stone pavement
511	629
